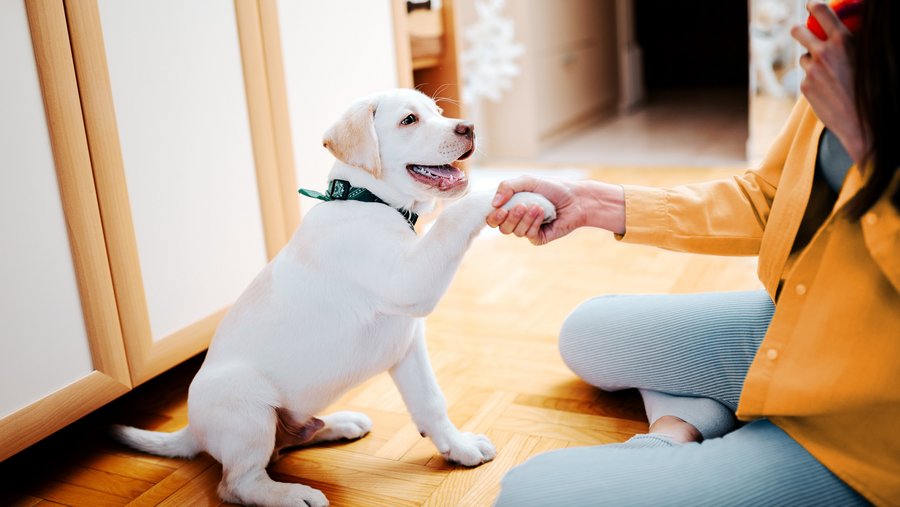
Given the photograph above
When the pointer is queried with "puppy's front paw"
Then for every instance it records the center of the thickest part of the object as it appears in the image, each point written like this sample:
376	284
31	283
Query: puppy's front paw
470	450
530	199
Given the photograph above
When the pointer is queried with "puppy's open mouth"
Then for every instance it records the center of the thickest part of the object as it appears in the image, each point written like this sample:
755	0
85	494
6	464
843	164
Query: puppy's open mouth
443	177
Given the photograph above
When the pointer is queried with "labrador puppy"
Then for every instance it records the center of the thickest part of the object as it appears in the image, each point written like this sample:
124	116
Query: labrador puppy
343	301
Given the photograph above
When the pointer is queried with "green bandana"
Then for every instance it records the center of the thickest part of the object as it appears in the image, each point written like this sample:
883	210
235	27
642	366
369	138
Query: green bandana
340	190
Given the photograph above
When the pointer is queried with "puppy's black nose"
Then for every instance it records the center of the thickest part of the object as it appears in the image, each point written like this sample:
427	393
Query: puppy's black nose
465	128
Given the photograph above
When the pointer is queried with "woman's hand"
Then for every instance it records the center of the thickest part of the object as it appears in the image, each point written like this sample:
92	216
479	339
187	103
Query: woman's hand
526	222
578	203
829	85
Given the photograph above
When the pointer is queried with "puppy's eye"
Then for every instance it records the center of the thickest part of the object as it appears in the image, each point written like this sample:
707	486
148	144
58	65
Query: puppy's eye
409	120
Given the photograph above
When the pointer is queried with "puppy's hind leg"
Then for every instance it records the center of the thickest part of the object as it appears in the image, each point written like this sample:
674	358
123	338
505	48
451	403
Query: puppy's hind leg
244	477
344	425
337	426
240	431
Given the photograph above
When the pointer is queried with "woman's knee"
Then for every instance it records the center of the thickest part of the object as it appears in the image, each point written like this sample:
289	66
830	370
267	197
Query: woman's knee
595	345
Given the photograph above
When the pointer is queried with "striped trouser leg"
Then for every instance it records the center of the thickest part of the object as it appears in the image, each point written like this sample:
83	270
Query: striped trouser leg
693	350
756	465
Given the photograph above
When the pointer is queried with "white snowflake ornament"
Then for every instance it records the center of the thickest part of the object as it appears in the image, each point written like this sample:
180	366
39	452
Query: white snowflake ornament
489	63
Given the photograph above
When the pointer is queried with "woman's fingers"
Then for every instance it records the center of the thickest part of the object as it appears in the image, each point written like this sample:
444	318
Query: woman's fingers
827	19
806	38
534	232
504	193
507	188
521	221
532	215
513	218
497	217
805	62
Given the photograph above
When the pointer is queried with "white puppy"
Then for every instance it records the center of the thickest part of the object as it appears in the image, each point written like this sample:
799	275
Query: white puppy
343	301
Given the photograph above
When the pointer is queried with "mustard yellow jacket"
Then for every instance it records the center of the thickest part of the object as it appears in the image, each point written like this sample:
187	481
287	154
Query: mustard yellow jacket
828	370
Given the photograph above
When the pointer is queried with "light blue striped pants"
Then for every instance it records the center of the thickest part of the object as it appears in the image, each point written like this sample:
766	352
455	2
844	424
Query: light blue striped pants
683	349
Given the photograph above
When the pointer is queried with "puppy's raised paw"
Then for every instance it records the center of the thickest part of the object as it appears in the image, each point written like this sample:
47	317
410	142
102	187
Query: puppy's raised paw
530	199
471	450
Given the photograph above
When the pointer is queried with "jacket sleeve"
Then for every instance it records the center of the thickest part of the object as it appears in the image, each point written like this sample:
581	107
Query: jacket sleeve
721	217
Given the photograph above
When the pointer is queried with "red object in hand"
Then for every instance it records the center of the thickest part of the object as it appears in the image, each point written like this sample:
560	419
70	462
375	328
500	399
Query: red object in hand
848	11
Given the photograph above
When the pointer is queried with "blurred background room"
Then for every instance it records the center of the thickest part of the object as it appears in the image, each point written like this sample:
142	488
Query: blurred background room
562	86
619	82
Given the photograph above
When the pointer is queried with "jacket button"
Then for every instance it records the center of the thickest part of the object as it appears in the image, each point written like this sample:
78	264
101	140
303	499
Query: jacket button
800	289
772	354
871	218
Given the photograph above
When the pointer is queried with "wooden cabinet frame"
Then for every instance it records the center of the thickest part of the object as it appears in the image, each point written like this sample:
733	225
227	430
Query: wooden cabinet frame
266	97
70	56
110	378
442	78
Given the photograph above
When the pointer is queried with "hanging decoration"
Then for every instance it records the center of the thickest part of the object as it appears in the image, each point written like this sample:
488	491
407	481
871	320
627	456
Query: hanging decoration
489	62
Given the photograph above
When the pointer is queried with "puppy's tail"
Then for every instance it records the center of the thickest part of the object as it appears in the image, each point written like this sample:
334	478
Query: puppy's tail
180	444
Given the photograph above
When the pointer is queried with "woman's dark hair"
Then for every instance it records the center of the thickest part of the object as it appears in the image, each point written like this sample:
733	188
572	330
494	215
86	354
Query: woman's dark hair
878	100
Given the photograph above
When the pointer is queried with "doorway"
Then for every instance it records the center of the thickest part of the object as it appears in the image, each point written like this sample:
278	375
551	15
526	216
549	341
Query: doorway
692	88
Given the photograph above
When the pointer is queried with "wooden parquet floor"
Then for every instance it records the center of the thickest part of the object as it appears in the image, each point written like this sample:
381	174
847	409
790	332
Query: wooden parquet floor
492	342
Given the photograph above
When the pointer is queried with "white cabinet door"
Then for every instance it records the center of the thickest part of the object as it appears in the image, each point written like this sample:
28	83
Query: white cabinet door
176	168
45	343
59	357
187	153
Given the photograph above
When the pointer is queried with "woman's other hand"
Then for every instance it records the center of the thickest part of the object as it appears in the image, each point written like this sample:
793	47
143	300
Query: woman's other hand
578	203
829	84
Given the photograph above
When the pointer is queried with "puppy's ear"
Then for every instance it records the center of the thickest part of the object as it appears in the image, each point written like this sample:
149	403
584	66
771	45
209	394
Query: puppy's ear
352	139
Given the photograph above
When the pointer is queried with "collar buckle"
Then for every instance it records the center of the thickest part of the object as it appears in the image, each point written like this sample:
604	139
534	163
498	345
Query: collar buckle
339	190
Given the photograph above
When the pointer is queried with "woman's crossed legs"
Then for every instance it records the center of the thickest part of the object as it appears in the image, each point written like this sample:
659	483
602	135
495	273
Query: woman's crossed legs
688	355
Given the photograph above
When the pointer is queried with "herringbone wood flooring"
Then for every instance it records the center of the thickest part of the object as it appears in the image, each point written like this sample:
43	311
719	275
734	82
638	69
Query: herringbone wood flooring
492	342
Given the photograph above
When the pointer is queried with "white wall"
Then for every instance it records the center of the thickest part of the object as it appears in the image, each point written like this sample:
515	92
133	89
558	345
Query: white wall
334	52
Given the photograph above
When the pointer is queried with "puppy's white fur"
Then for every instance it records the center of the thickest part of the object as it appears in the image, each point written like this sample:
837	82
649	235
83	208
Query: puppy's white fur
343	301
